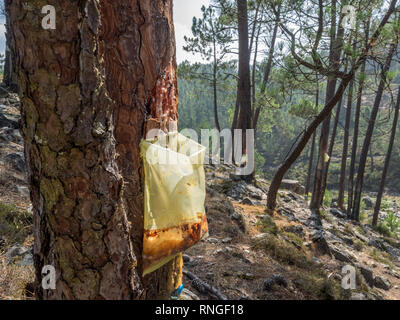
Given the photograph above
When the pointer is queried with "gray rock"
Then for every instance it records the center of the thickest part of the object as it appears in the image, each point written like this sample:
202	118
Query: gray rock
213	240
236	216
369	203
293	186
382	283
189	261
188	295
16	251
248	201
358	296
341	255
321	244
8	122
368	274
297	229
337	213
17	160
275	279
227	240
27	261
23	191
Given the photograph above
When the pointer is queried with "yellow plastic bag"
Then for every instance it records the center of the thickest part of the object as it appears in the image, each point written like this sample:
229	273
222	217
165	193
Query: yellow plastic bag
174	214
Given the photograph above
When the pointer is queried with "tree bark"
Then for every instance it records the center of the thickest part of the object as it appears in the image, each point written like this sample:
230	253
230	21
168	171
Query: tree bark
356	128
342	179
268	67
311	160
9	77
89	90
244	87
332	144
277	180
387	162
323	158
215	71
368	135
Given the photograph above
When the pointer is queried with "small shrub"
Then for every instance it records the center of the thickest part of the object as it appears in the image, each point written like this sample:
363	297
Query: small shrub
14	223
383	229
284	252
327	199
392	222
317	285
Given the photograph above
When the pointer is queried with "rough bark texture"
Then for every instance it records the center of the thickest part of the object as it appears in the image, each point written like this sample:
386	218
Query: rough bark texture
387	162
368	134
87	89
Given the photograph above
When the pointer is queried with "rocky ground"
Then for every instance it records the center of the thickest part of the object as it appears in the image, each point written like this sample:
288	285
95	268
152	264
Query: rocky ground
249	255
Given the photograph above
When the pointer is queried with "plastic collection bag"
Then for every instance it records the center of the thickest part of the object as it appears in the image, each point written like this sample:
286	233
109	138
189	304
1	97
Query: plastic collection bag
174	213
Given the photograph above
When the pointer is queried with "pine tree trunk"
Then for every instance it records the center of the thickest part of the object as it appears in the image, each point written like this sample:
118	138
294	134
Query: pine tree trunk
86	89
368	135
312	151
9	76
387	162
342	179
244	87
332	144
321	172
356	128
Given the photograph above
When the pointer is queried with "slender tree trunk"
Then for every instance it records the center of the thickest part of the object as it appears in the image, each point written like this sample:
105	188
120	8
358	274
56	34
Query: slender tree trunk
371	157
387	162
311	160
332	144
296	152
277	180
323	157
310	164
218	127
244	90
342	179
87	89
268	67
356	128
9	76
368	135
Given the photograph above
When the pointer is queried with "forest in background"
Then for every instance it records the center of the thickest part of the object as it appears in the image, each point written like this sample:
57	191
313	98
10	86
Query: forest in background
316	80
282	124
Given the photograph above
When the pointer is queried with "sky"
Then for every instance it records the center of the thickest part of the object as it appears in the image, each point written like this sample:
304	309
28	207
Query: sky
184	11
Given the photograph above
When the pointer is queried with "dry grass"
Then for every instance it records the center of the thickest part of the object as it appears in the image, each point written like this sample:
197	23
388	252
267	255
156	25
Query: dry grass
13	280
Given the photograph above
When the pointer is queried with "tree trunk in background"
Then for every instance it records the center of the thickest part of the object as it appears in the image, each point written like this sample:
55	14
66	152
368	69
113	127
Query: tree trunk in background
356	127
218	127
310	164
336	43
268	67
332	144
368	135
86	89
244	88
9	76
277	180
387	162
314	138
342	179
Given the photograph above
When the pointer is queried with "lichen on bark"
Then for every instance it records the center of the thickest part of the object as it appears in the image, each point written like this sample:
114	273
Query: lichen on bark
86	91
